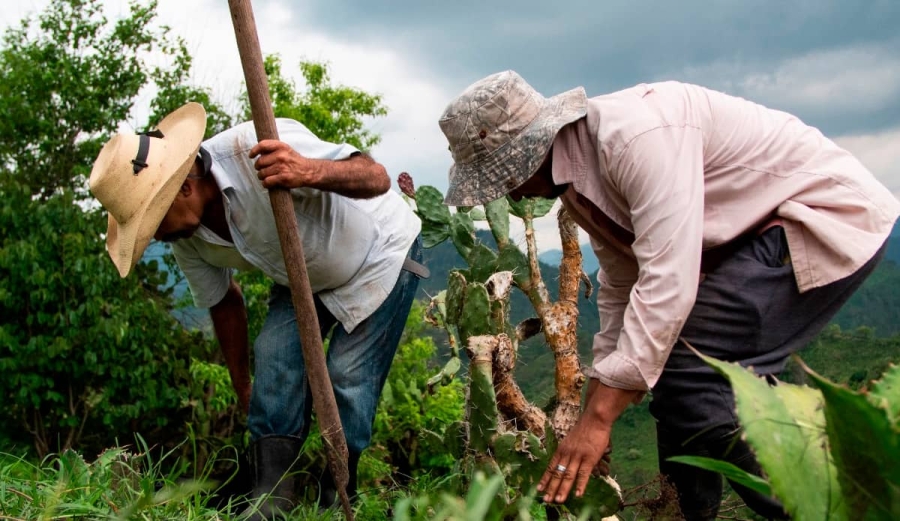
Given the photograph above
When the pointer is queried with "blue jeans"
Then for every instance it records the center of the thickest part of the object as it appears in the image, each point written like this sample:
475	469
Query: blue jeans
358	364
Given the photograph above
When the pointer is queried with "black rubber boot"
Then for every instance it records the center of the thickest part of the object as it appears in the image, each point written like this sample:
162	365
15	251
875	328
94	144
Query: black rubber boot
328	494
273	460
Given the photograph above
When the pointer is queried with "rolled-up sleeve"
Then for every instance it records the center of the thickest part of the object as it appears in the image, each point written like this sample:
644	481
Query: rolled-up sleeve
660	175
208	284
309	145
617	275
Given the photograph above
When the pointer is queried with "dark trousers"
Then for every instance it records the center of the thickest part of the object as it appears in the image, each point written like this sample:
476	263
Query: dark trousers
748	310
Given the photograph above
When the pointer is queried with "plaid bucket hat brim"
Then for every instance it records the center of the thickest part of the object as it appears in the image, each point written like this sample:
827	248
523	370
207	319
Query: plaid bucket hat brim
491	175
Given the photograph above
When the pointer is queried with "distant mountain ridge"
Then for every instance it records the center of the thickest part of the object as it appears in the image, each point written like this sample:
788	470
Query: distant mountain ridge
589	261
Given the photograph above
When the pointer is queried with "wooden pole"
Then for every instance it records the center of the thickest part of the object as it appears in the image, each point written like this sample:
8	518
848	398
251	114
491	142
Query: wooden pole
292	250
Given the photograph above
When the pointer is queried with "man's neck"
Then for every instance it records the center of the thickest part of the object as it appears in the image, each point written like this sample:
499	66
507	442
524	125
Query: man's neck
214	216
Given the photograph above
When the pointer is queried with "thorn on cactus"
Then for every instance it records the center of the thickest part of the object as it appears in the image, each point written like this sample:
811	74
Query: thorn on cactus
405	181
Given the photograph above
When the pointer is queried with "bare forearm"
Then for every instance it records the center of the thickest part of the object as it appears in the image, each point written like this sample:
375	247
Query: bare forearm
604	403
583	448
279	165
229	318
358	176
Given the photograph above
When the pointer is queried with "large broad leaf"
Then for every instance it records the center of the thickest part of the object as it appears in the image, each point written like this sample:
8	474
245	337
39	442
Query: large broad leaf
730	471
462	231
497	213
512	259
482	410
456	295
786	428
482	263
434	234
866	450
542	206
475	318
483	494
477	214
430	205
530	207
885	394
446	373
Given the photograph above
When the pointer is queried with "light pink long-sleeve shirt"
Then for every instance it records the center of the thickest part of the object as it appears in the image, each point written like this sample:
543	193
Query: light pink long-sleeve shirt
661	173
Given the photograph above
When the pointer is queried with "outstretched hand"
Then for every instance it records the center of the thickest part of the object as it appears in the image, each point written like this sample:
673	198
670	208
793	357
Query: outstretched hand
575	459
279	165
581	452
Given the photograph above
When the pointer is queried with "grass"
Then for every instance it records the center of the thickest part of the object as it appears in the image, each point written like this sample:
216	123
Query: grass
120	484
130	483
137	482
634	454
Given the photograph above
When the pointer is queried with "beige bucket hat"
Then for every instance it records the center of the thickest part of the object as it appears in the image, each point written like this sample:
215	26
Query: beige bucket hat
136	178
500	130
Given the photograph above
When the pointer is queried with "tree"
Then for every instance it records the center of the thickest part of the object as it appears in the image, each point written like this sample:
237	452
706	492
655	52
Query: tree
333	113
92	357
175	91
87	357
85	354
65	89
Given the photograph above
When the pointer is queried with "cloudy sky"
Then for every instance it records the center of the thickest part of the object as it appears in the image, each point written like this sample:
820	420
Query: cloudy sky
835	64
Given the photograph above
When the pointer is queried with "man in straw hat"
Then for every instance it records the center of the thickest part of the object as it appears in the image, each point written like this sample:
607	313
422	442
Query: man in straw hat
210	201
717	222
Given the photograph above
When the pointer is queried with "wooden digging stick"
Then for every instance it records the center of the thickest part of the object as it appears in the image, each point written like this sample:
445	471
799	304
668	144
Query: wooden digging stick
292	250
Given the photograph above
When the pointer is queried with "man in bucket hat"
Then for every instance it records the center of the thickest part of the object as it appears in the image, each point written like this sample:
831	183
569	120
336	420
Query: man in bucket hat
361	245
717	222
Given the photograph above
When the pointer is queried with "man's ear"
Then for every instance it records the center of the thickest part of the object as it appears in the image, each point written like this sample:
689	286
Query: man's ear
186	189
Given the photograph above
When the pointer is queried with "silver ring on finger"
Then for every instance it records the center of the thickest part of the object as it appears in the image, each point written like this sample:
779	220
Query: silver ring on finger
560	468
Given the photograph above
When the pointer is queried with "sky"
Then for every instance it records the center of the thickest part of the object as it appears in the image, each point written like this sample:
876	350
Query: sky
835	64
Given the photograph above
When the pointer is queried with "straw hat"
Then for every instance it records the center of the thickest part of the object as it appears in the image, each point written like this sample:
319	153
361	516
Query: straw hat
500	130
136	178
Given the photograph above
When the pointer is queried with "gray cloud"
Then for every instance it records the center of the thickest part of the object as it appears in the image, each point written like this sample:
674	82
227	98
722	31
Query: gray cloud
738	46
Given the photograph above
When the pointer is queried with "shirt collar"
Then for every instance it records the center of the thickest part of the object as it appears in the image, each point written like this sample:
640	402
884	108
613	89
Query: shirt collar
572	143
222	179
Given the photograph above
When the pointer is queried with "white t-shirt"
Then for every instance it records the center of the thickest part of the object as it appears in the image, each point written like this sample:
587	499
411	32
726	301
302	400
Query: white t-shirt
354	248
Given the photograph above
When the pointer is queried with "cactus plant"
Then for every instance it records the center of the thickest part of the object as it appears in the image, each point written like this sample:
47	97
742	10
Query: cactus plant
828	452
504	432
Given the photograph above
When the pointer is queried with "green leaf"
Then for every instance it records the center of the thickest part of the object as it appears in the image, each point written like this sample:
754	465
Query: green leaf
482	494
866	451
730	471
512	259
497	213
785	426
477	214
448	371
885	394
453	366
434	234
482	263
476	313
430	205
542	206
456	295
462	231
522	209
530	207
